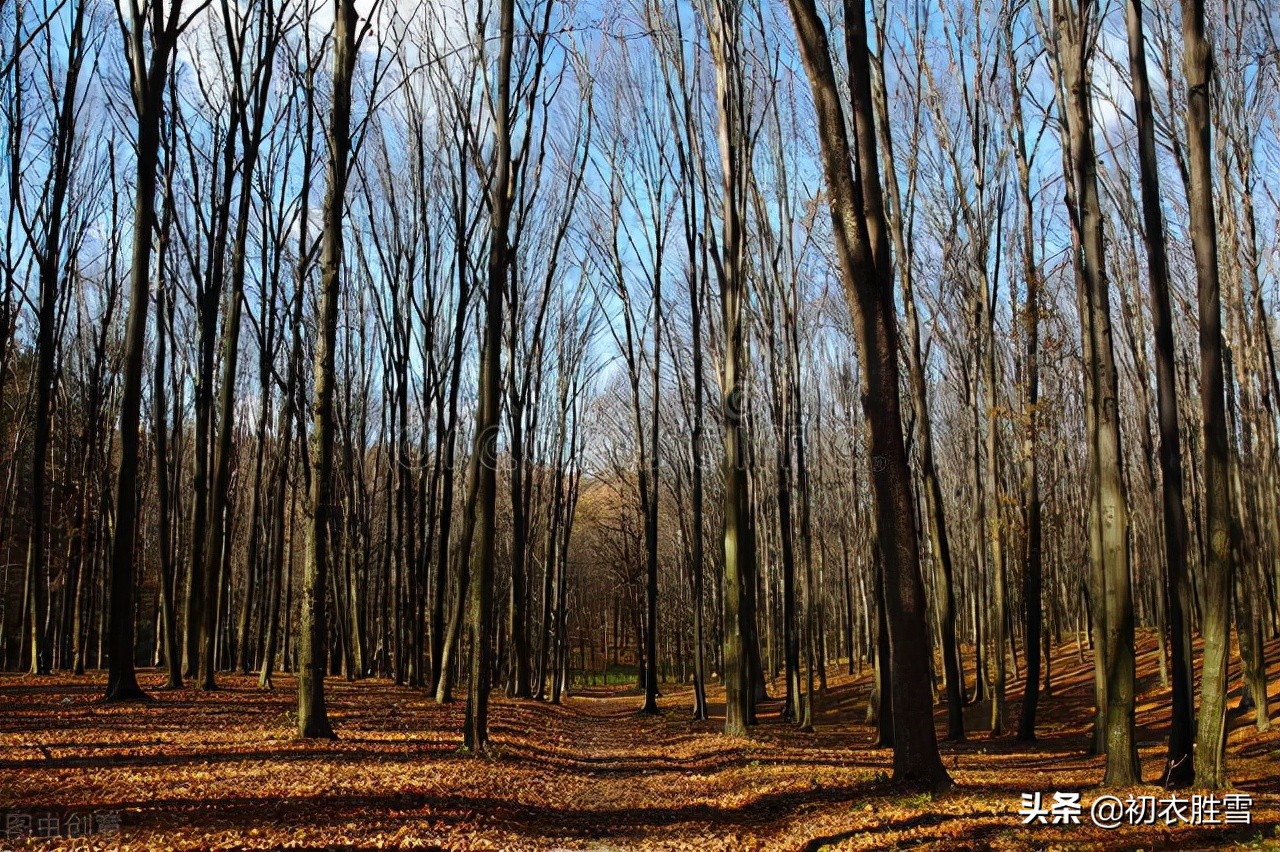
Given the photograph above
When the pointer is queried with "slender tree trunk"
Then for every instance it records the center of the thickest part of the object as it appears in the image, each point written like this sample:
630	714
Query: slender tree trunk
480	616
313	719
1211	731
172	654
1179	771
148	74
1033	567
1114	598
444	544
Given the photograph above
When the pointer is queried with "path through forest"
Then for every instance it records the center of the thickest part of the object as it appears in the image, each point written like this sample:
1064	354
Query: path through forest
222	770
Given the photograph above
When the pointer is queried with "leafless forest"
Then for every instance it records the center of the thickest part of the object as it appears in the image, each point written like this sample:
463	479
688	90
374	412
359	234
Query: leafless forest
517	350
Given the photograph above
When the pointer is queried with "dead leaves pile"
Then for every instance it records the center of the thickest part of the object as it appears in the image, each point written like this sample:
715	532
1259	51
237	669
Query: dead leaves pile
222	770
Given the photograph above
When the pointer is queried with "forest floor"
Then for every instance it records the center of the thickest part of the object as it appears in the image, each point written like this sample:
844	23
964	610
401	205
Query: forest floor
196	770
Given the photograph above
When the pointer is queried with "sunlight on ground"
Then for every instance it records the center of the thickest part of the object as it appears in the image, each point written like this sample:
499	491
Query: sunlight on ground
223	770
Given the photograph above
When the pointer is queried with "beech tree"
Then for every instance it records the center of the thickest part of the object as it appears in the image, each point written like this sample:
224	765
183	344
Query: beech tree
1178	766
1221	530
313	720
1076	32
485	449
150	34
542	234
857	212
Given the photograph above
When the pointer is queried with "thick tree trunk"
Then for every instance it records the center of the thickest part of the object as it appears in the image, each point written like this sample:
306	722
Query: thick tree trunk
739	556
858	218
935	515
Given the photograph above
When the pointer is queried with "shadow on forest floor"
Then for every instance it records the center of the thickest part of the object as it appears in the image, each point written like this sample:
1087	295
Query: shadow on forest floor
199	769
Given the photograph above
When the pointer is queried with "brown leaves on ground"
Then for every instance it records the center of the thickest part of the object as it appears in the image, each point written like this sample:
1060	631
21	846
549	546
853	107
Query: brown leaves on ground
223	770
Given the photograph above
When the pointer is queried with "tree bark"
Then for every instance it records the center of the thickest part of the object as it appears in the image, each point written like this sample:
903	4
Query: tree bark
148	75
1178	770
858	219
1211	731
313	719
1113	601
480	616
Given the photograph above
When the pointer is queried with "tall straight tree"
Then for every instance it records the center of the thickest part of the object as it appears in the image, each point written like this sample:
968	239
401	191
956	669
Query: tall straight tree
164	463
1211	732
935	515
1179	770
249	104
739	544
862	246
1033	567
291	417
159	25
1077	27
48	248
313	647
691	173
484	451
443	647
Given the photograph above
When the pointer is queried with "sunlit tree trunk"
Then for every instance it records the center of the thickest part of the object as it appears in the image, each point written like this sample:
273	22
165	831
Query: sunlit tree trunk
739	555
1211	731
1113	603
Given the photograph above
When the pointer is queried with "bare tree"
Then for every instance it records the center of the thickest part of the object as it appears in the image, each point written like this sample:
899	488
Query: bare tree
47	237
739	534
862	246
1074	41
899	215
1178	766
485	448
159	25
1221	532
313	719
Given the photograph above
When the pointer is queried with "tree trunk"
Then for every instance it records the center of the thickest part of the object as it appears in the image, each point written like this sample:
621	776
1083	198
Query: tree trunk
476	725
50	266
1032	575
1178	771
313	719
739	558
1114	599
148	74
862	246
1211	732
